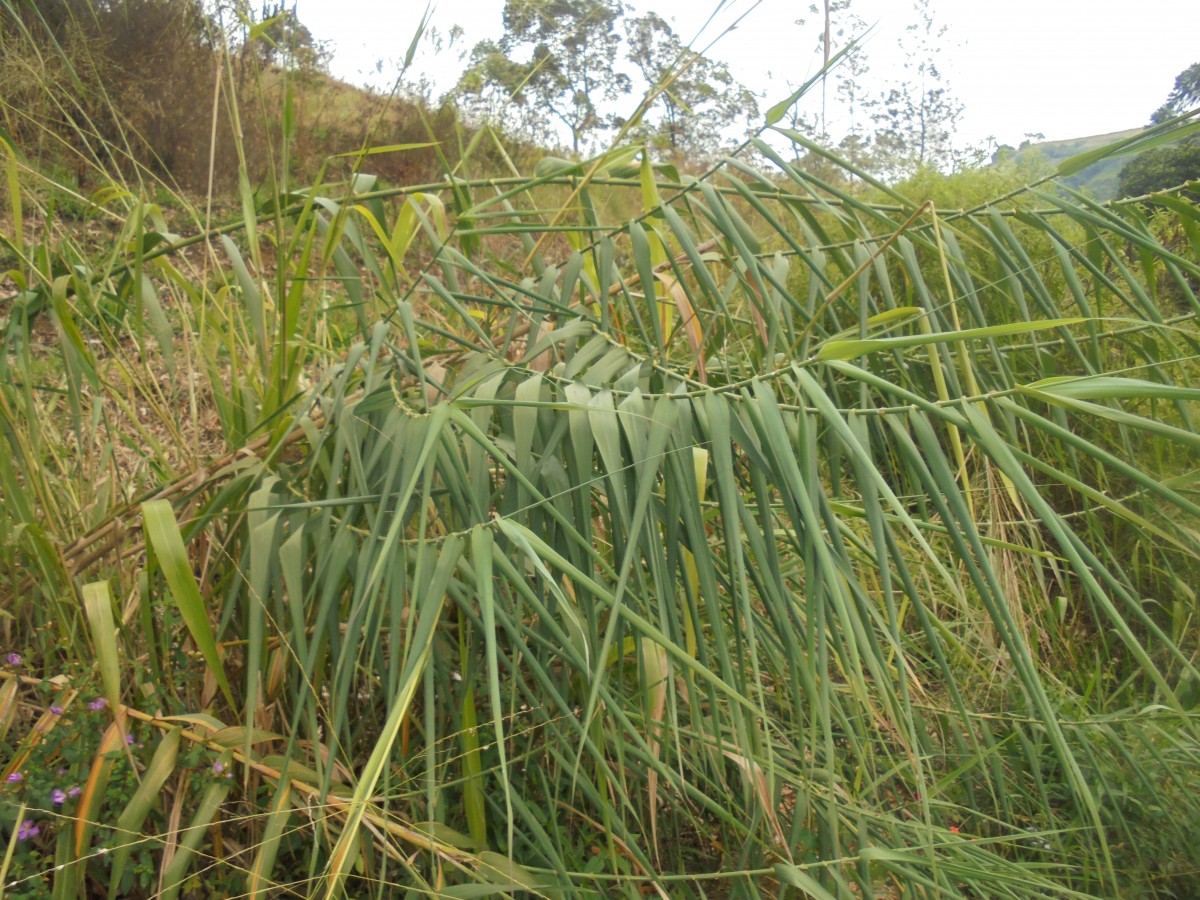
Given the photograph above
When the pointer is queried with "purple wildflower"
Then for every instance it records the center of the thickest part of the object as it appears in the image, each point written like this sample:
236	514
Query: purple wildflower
129	740
73	792
58	796
13	659
14	777
29	829
97	704
57	710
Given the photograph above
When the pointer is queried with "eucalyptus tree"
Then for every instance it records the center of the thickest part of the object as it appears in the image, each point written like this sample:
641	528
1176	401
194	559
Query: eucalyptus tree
915	118
840	25
696	98
555	67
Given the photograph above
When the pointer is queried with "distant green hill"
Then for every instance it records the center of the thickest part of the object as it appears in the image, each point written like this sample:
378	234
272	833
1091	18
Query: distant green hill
1100	180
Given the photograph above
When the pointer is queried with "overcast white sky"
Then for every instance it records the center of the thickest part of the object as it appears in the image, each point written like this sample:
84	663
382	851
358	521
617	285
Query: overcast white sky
1064	68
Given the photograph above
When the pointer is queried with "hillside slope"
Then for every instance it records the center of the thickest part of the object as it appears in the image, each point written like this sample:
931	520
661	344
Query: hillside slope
1100	179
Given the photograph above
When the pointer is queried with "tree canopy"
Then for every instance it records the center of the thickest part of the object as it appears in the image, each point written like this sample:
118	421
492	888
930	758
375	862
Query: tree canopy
698	97
893	128
558	68
1183	96
557	59
1165	167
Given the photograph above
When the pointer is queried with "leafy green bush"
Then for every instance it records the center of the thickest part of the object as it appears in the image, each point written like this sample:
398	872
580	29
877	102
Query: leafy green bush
1171	166
1156	170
